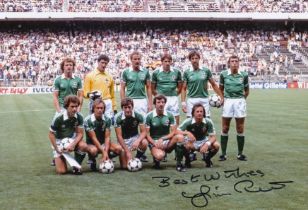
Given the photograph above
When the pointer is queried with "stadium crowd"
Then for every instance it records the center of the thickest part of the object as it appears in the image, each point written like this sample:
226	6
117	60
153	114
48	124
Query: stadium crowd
36	54
298	6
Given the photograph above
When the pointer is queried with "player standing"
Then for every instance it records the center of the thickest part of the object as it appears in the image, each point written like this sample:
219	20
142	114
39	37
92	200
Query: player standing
235	87
66	84
100	80
167	81
135	79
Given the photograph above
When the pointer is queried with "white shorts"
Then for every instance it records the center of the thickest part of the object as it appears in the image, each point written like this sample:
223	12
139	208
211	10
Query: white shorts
172	105
192	101
129	142
199	144
108	108
141	106
234	107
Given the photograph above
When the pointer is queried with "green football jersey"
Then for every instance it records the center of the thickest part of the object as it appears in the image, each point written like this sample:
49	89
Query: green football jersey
197	82
129	125
65	127
99	126
135	82
199	130
167	81
159	125
67	86
234	84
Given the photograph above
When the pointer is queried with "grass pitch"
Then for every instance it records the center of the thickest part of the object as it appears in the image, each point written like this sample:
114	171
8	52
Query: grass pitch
274	177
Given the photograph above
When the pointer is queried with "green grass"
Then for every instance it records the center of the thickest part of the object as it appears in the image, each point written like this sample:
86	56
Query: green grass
276	146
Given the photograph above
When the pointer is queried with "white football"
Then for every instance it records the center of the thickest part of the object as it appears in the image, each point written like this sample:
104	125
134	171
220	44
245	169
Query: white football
65	142
106	167
215	100
134	165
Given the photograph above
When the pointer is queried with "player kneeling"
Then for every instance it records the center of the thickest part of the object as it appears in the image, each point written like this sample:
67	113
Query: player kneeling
198	135
66	133
161	127
126	127
97	127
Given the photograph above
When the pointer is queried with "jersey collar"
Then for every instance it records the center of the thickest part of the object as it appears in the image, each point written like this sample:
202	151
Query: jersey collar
99	72
63	76
161	69
155	113
93	118
65	115
123	115
238	72
131	69
194	121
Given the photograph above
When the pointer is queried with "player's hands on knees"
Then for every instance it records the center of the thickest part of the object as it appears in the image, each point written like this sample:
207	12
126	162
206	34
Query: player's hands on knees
135	146
204	148
191	137
159	143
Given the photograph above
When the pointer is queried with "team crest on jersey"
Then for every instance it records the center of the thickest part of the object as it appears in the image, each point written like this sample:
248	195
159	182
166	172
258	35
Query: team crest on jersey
141	76
204	130
202	75
76	123
63	126
135	123
173	77
103	126
167	122
241	80
74	84
106	81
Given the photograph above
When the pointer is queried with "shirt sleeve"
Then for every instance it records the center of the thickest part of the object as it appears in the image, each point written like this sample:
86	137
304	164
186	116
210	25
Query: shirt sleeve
87	85
114	103
124	78
246	81
88	125
221	79
154	77
56	85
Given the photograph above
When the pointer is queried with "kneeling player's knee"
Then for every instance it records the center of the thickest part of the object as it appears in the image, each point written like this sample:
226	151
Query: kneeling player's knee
92	150
159	155
60	171
225	129
216	146
144	144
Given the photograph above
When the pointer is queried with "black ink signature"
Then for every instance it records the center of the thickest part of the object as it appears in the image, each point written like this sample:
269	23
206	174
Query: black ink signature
202	199
236	173
249	186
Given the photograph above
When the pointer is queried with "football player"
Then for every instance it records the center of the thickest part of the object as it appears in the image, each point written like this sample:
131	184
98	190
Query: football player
130	131
97	127
68	124
199	135
235	87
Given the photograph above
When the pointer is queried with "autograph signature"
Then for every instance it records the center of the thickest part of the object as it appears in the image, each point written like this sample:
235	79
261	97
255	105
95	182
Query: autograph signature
206	192
201	199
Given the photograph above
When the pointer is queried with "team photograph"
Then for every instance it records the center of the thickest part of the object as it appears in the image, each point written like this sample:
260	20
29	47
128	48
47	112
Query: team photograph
142	104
